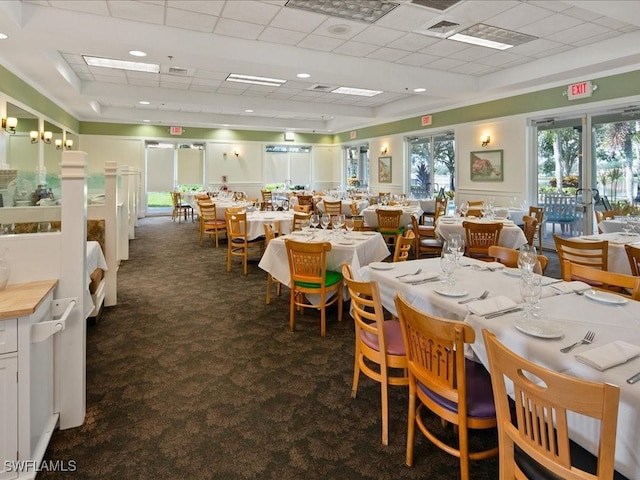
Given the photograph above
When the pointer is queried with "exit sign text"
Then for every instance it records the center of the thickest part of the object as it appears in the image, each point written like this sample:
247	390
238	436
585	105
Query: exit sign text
579	90
426	120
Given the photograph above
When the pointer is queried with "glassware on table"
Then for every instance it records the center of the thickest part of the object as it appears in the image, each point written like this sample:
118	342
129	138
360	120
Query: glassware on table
456	245
314	220
448	263
464	208
627	226
530	290
325	221
348	224
527	259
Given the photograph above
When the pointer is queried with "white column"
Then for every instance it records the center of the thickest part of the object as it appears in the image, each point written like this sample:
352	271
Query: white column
111	230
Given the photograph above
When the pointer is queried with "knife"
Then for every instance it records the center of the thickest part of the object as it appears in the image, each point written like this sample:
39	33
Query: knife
503	312
437	279
634	378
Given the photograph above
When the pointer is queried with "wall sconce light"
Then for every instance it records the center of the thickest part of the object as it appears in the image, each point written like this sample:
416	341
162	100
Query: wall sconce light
35	136
68	144
10	124
486	140
58	143
46	137
236	152
384	150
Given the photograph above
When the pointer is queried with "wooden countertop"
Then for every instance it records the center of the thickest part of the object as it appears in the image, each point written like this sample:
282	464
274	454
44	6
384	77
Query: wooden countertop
20	299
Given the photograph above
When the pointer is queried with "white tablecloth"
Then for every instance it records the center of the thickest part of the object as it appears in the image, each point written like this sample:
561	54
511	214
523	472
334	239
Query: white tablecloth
428	205
613	225
367	247
257	220
516	215
346	206
574	314
222	205
617	260
371	217
511	235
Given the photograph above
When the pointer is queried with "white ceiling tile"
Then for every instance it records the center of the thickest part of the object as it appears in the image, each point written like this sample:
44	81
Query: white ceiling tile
197	6
261	88
141	12
318	42
444	63
597	38
518	16
582	14
355	49
281	36
578	33
165	77
473	52
376	35
97	7
84	76
110	79
551	5
478	11
107	72
413	42
610	23
234	28
254	93
299	20
200	73
143	82
388	54
339	28
534	47
417	59
630	28
498	59
279	96
227	91
550	25
190	20
444	48
469	68
73	59
407	18
554	51
202	88
206	83
250	11
142	75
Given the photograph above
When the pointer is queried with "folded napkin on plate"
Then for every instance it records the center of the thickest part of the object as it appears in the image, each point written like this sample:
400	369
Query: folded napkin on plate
570	287
419	277
491	305
487	265
609	355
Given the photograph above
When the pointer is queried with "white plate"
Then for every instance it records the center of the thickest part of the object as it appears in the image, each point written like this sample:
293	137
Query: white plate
539	328
421	277
450	292
604	297
346	242
381	265
514	272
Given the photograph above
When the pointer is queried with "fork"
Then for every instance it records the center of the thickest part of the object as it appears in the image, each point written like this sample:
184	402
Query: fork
410	274
588	338
484	295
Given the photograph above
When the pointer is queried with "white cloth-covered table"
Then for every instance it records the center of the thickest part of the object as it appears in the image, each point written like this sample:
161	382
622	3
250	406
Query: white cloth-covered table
614	225
617	260
257	220
371	217
511	235
222	205
574	314
516	215
357	249
346	205
428	205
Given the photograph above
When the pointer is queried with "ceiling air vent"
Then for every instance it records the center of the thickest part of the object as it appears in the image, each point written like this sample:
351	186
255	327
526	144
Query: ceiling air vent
178	71
441	29
440	5
321	88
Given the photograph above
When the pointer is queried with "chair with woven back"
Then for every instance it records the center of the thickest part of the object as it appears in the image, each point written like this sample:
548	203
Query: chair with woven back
456	389
333	207
300	220
270	234
404	243
530	227
267	200
534	436
538	214
509	257
426	242
602	279
238	243
633	254
602	216
588	253
309	275
479	237
389	224
209	223
180	208
379	349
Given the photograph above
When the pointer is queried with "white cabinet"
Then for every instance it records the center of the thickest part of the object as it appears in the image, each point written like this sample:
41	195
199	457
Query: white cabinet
8	414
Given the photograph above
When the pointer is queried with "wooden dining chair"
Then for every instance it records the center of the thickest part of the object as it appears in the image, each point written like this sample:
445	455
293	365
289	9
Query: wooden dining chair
306	201
302	209
633	254
209	223
602	280
379	349
588	253
300	220
533	436
538	214
267	200
426	242
270	234
333	208
479	237
439	208
439	375
238	243
389	224
509	257
530	227
603	215
404	243
475	208
309	275
180	208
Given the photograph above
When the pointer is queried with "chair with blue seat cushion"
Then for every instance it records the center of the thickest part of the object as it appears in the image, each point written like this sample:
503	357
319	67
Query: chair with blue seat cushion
309	276
379	348
442	380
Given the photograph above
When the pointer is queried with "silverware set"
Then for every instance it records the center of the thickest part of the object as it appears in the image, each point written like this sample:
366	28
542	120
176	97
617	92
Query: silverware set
409	274
484	295
506	311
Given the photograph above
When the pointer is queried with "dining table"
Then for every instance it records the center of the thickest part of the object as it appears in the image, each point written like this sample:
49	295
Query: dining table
617	260
371	217
511	235
281	221
566	311
357	249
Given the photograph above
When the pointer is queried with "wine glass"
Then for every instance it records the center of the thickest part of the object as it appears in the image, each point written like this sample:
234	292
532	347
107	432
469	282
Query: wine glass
527	259
348	224
626	225
448	263
464	208
530	290
456	245
314	220
325	221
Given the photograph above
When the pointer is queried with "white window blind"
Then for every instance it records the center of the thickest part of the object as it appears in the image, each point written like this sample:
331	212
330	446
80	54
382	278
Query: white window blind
159	169
190	163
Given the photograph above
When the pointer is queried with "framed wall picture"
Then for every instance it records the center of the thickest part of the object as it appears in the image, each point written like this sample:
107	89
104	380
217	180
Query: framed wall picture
487	166
384	169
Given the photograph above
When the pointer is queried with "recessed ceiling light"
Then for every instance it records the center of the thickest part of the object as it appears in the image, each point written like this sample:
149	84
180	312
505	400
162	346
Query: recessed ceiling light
303	75
146	121
248	111
363	92
143	102
358	10
121	64
3	36
419	90
137	53
492	37
270	82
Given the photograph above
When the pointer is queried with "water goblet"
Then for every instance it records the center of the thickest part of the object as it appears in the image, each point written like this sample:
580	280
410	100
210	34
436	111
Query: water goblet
530	290
325	221
348	224
527	259
626	225
448	264
314	220
464	208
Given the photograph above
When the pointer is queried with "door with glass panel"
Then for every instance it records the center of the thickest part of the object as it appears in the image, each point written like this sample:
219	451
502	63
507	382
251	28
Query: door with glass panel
432	164
357	167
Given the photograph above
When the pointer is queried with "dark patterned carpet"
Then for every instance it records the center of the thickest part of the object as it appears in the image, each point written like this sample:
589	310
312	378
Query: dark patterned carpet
192	376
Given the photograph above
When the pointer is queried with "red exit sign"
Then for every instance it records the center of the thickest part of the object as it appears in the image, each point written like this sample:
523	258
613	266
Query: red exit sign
175	130
579	90
426	120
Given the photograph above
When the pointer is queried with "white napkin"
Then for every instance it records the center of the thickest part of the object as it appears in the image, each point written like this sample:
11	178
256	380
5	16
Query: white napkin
419	277
570	287
487	265
609	355
491	305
